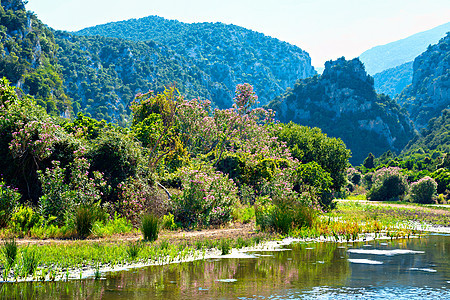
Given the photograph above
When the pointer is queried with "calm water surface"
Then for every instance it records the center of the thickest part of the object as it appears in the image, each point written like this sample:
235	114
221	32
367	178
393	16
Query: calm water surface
399	269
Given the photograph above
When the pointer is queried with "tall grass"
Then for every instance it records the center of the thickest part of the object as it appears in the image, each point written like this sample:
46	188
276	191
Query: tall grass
149	227
9	249
30	261
84	219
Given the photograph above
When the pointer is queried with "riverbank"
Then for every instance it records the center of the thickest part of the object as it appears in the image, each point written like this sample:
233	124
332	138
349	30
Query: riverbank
92	258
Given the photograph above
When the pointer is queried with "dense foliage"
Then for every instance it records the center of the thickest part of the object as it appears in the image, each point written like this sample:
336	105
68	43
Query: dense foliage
227	54
213	162
28	57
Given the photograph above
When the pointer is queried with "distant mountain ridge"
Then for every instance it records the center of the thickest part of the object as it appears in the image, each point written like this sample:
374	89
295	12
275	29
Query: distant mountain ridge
229	54
392	81
343	103
393	54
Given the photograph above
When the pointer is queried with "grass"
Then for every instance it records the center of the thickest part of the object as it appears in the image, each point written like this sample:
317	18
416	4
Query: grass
133	249
83	221
9	249
149	227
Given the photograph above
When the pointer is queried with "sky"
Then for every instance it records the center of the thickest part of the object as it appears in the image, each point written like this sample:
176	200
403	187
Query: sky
326	29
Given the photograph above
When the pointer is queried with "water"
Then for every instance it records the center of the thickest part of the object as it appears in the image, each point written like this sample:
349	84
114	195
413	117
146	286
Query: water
399	269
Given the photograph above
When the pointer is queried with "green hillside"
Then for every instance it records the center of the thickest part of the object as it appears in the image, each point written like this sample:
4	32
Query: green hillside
28	57
229	54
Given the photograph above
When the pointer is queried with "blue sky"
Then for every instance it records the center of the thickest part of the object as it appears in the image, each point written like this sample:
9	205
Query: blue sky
326	29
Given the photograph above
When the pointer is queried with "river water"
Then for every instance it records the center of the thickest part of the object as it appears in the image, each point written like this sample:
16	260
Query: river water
417	268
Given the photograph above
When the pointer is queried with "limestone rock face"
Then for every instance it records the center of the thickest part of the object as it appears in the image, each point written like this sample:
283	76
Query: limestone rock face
343	103
429	92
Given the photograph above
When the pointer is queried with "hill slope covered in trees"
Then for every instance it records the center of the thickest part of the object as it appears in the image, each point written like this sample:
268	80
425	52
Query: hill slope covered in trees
229	54
28	57
392	81
343	103
103	75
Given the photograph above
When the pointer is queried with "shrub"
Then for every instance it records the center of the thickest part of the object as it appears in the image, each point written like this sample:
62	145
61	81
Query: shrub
149	227
286	212
205	194
9	198
423	190
113	226
138	196
55	200
442	177
312	174
24	218
388	184
168	222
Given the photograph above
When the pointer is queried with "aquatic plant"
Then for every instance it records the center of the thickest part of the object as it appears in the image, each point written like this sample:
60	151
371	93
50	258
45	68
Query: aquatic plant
133	249
30	261
9	249
225	246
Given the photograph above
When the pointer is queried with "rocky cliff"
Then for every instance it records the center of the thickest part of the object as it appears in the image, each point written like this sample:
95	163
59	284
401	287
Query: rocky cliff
343	103
429	92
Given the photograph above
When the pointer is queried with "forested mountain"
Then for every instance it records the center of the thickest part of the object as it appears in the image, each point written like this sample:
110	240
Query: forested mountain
229	54
28	57
343	103
103	75
429	92
392	81
399	52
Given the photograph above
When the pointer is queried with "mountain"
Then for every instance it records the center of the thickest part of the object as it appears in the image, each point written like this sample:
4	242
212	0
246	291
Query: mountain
392	81
399	52
28	57
343	103
429	92
435	137
103	74
229	54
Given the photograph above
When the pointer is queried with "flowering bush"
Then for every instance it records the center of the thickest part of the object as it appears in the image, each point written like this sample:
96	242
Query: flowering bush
423	190
388	183
9	199
137	197
60	199
205	194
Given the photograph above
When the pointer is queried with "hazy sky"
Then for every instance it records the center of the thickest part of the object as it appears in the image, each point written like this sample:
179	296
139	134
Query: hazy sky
326	29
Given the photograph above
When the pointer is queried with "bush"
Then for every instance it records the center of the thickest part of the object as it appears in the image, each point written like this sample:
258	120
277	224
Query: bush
442	177
388	184
149	227
286	212
423	190
24	219
207	198
168	222
138	196
9	198
312	174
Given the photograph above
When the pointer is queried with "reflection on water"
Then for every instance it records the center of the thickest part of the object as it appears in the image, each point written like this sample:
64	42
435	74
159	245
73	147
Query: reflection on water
310	271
